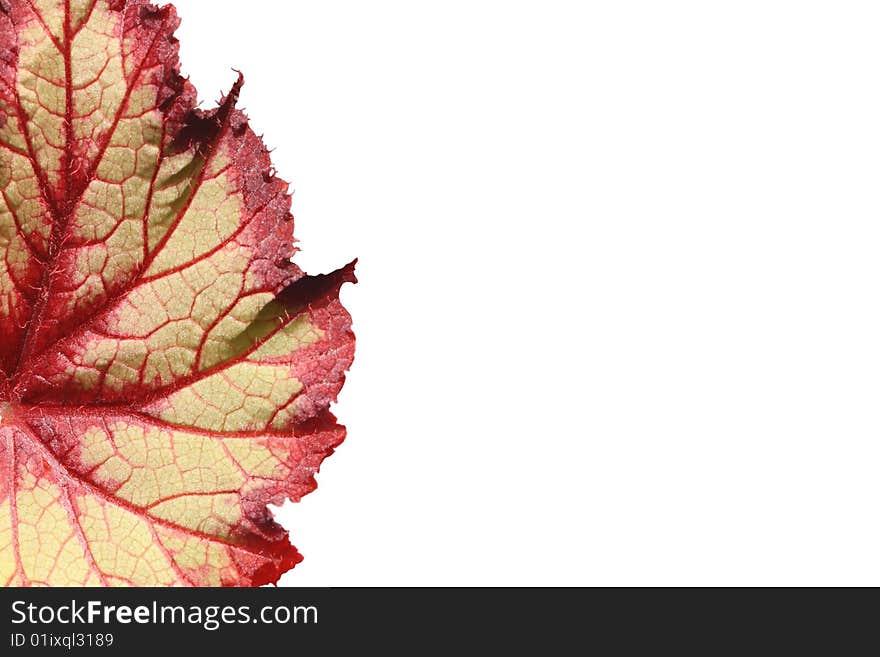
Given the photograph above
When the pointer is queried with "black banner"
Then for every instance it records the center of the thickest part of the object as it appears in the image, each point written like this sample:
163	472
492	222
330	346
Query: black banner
553	621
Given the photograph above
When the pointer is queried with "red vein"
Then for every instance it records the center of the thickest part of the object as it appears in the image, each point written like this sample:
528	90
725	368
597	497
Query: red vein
113	301
24	236
180	496
71	476
39	174
171	560
222	366
46	29
123	105
67	54
127	414
13	149
64	473
25	293
145	224
212	150
86	18
13	509
60	220
210	252
83	541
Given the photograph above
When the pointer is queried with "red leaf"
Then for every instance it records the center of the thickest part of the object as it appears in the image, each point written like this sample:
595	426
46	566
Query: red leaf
165	371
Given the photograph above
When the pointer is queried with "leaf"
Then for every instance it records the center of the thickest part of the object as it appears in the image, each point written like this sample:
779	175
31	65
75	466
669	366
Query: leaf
165	371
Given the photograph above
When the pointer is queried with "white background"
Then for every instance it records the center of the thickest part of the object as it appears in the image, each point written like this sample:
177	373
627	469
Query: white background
618	313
